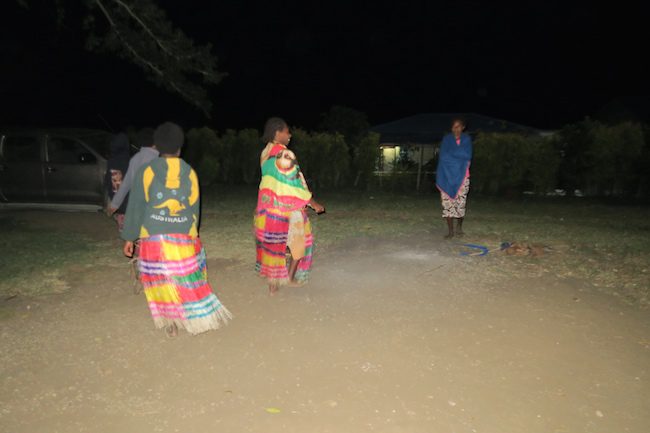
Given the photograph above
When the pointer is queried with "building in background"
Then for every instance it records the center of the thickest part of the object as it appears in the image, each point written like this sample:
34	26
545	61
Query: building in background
411	144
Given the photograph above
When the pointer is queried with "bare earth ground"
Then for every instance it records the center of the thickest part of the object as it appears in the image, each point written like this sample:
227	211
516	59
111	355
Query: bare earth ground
391	335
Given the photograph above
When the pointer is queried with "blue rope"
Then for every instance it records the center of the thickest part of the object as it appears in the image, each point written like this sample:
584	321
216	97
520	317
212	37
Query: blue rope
482	249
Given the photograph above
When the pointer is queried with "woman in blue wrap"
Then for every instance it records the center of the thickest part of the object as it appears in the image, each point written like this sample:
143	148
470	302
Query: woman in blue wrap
452	175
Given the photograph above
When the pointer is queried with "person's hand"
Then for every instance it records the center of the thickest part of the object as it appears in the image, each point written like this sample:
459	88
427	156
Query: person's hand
318	208
110	211
128	249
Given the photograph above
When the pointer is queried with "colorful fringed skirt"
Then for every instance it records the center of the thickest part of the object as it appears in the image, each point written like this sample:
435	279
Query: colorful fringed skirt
275	230
174	276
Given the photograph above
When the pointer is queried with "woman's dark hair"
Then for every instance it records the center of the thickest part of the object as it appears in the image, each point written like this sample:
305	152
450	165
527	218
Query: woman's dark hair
459	119
273	125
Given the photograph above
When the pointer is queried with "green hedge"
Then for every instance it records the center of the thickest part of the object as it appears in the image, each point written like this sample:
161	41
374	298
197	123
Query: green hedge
325	158
508	163
604	160
595	158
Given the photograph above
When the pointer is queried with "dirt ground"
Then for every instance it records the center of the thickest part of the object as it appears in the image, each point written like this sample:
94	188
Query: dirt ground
389	336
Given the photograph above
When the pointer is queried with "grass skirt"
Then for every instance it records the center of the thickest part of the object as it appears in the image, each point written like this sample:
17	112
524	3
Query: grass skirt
174	277
273	230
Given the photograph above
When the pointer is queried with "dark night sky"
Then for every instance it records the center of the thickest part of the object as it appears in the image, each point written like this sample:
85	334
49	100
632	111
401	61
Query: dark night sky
539	63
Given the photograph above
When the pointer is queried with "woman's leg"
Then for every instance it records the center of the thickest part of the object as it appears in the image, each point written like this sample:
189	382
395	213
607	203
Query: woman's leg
296	243
450	226
269	245
461	203
293	267
447	213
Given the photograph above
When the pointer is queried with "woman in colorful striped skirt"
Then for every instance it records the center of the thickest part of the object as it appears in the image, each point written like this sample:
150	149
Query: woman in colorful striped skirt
163	212
281	220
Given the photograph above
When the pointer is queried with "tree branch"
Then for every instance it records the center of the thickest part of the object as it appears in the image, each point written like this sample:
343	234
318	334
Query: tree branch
126	44
155	38
153	55
144	26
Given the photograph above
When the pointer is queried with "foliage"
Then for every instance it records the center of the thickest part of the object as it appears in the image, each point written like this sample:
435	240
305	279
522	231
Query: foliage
230	158
140	32
642	165
596	158
350	123
225	153
614	153
246	155
354	126
507	163
603	159
200	151
334	164
306	153
573	144
323	157
365	159
404	162
543	165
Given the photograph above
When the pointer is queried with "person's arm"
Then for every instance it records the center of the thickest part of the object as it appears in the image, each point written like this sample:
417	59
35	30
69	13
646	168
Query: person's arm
134	217
125	186
108	183
195	199
129	248
108	190
318	208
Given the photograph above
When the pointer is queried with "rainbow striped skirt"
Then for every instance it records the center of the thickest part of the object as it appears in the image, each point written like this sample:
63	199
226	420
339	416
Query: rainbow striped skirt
174	277
275	230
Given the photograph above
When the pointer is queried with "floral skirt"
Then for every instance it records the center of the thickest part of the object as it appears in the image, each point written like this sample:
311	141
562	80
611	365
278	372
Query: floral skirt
455	207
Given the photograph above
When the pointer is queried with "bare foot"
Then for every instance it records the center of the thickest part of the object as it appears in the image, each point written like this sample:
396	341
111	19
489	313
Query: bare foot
296	283
449	236
172	330
273	289
460	233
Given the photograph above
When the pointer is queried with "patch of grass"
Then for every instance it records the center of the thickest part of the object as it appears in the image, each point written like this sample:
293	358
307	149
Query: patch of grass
227	219
591	240
604	244
34	259
227	223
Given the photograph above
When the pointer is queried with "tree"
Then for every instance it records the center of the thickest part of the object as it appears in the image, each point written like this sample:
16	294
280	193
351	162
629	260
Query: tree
352	124
615	152
366	157
202	150
140	32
